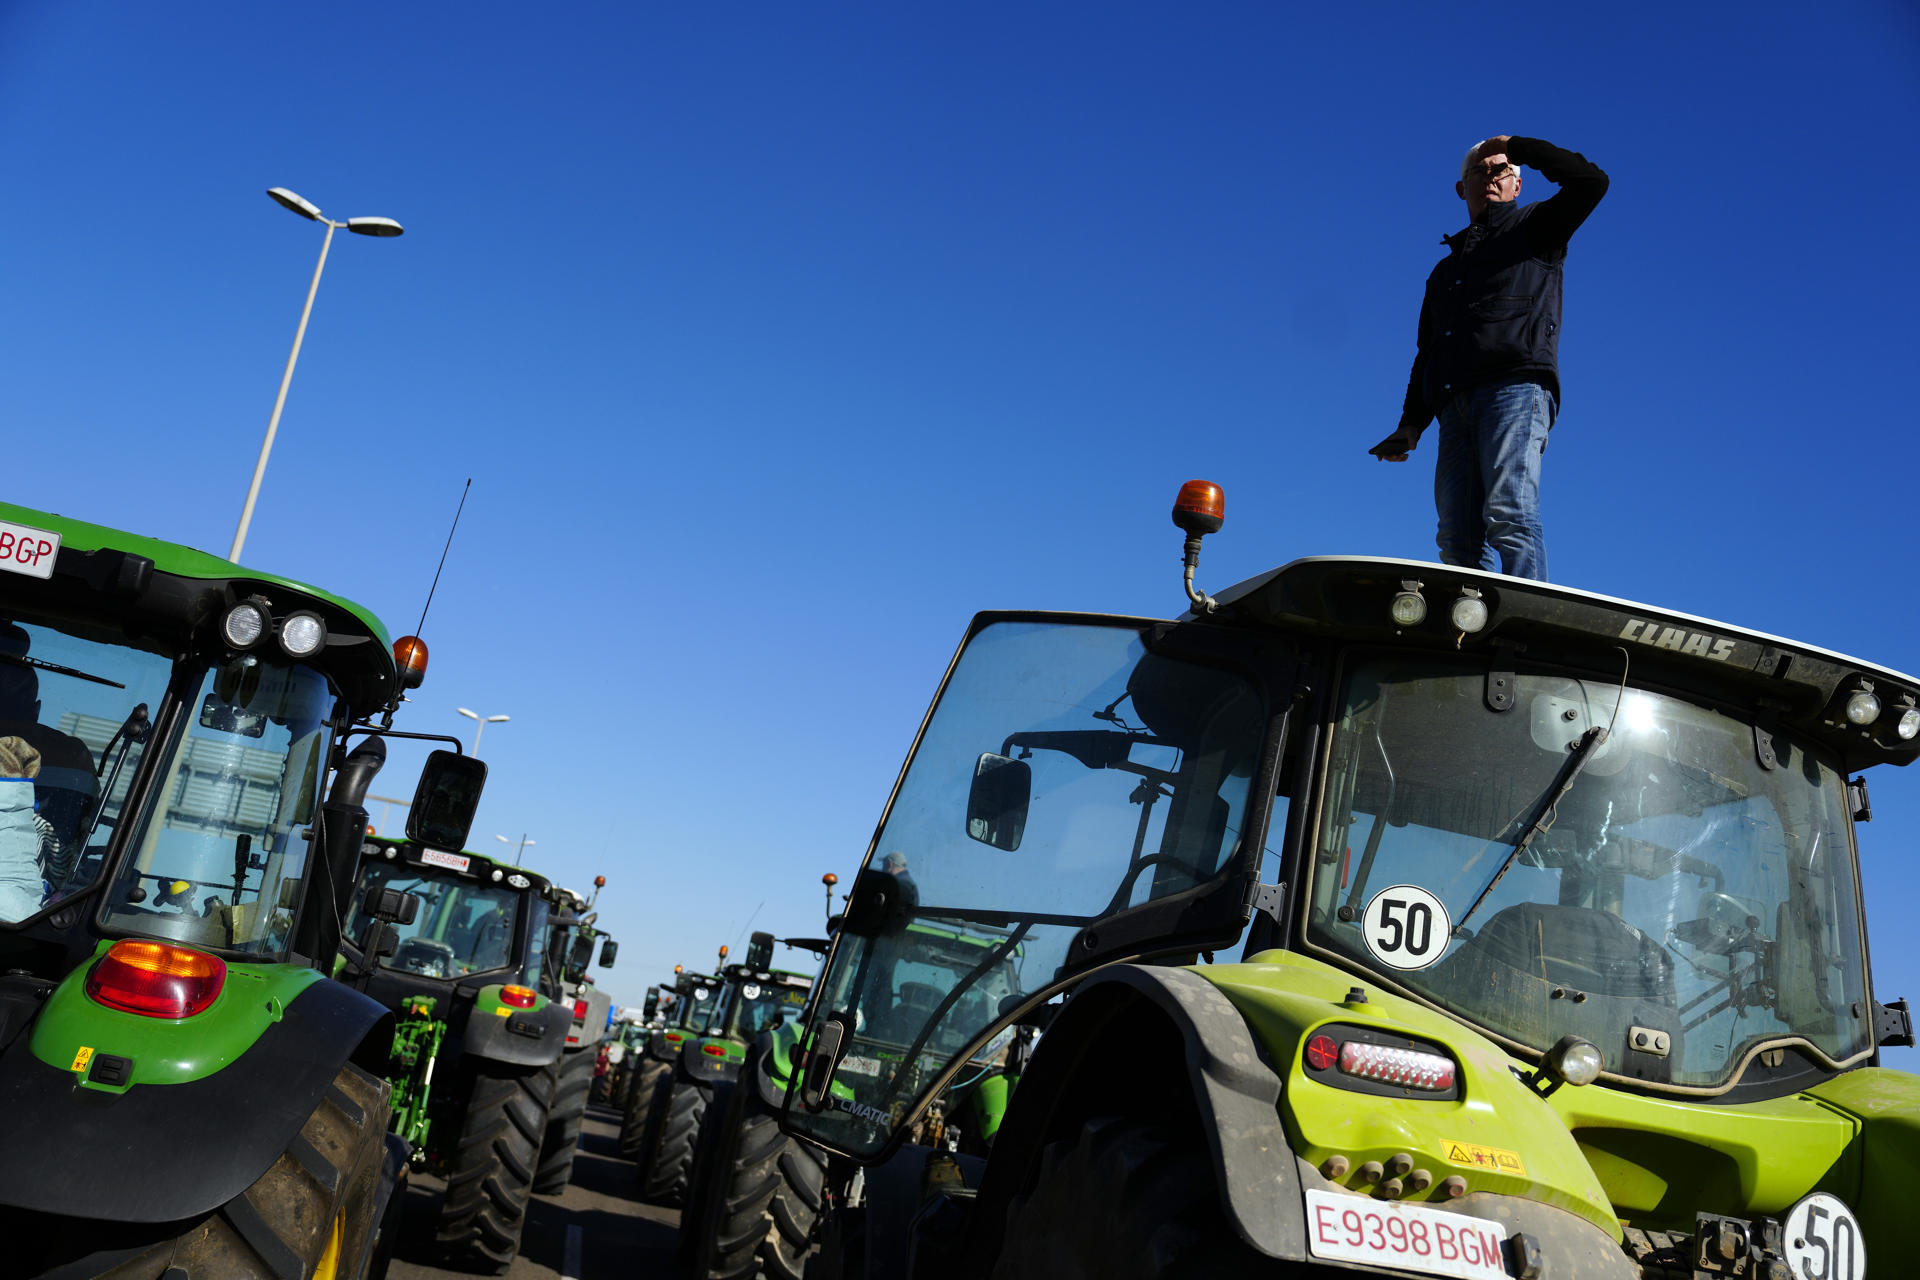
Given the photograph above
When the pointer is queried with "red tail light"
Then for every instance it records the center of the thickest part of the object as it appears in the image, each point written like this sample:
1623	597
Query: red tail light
579	1010
156	980
714	1050
674	1037
518	997
1405	1067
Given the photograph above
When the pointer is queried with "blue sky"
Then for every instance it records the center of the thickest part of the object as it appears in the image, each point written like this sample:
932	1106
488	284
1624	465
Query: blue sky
779	338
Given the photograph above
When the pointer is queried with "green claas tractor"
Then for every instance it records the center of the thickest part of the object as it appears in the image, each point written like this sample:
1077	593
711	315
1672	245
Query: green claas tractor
453	943
1553	957
565	979
187	1095
697	998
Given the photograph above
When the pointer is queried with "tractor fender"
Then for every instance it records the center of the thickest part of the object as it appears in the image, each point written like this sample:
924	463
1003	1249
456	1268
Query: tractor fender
523	1038
159	1153
1128	1030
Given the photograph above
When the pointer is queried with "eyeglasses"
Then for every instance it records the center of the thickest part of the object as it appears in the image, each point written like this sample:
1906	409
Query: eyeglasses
1491	173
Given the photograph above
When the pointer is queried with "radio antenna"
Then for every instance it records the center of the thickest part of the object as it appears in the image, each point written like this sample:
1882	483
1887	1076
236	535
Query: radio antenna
421	629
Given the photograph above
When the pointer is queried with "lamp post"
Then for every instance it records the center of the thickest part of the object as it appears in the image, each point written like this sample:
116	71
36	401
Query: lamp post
361	226
524	842
480	724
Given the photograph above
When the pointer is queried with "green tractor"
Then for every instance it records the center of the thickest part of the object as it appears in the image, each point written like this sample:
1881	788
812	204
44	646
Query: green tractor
188	1096
625	1039
1553	957
754	997
754	1193
696	999
454	944
565	979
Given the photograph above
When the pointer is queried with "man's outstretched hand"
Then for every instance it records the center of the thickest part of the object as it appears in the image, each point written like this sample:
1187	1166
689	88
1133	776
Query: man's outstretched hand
1394	448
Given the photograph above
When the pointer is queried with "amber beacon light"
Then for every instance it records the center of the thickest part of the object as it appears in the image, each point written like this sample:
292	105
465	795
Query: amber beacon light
1200	510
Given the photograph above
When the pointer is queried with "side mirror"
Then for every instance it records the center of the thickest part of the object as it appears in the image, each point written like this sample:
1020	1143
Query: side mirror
608	950
760	951
580	952
445	801
395	906
875	906
997	801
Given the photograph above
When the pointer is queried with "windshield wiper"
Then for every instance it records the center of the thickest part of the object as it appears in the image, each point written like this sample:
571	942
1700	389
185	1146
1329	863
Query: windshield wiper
21	660
1583	751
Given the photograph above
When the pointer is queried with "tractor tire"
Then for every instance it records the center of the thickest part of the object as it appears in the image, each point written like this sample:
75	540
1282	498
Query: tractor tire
563	1123
634	1117
1123	1200
313	1209
490	1179
756	1198
663	1178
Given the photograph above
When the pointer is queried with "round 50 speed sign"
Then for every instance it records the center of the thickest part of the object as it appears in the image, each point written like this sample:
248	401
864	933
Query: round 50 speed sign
1406	927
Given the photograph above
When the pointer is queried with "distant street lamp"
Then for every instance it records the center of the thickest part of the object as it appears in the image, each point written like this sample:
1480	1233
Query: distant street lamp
524	842
360	226
480	723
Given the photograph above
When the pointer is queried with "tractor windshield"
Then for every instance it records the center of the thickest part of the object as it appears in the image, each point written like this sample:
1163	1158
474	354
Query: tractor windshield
461	927
76	708
1068	774
226	826
700	1007
1687	901
762	1006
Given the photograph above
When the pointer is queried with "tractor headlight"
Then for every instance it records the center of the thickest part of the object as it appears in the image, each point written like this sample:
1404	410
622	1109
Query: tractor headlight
1574	1061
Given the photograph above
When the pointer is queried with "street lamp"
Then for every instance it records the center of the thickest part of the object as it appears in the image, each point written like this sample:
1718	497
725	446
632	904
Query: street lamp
360	226
481	722
524	842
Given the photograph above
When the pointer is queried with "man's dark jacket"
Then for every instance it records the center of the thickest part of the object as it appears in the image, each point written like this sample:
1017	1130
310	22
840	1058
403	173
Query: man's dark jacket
1492	308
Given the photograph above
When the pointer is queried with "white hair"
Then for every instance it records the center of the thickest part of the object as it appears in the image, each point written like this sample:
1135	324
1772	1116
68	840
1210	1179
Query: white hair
1466	161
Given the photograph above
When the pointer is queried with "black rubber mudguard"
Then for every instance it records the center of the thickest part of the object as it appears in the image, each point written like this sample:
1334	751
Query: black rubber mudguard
525	1038
160	1153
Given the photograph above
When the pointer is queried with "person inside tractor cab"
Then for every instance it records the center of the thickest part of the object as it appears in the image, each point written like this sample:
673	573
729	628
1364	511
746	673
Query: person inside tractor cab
46	783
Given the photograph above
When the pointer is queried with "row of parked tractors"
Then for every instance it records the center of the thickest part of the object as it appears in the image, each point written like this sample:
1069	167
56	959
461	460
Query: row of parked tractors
1370	917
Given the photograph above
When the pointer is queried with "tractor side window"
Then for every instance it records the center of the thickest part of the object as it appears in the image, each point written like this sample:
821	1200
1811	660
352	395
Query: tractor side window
75	716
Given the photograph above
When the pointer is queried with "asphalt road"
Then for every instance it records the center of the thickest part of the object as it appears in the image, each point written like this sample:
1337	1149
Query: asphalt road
596	1230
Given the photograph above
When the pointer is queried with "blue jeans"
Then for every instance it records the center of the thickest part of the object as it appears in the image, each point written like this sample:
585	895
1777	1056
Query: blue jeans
1486	481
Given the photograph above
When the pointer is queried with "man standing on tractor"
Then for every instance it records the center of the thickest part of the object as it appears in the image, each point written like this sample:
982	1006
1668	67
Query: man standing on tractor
1487	363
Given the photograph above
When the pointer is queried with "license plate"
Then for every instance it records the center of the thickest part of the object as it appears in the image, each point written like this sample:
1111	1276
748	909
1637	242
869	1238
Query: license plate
1409	1236
26	550
451	861
855	1066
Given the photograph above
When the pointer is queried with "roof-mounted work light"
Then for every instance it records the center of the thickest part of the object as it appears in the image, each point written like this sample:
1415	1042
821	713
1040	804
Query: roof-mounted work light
1409	607
246	623
1469	613
1863	705
303	633
1200	509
